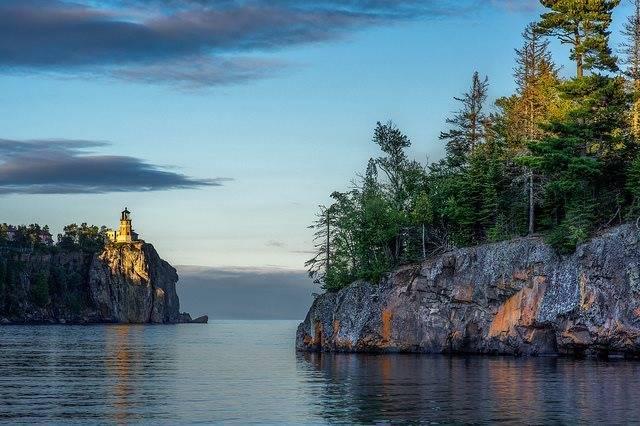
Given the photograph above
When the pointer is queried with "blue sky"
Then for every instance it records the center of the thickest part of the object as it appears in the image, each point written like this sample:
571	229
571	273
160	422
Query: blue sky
287	116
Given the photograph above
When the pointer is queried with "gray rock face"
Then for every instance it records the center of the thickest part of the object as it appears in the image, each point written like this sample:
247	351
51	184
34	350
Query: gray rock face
125	283
130	283
517	297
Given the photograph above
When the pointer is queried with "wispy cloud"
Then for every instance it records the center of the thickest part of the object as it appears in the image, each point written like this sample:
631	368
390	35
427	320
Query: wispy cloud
276	244
70	167
197	72
186	42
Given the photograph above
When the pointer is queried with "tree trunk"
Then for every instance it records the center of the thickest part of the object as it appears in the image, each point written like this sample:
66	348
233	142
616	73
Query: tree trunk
635	111
579	59
579	66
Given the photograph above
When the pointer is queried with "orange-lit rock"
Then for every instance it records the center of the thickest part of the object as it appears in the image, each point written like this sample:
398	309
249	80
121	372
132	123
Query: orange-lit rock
517	297
124	283
387	317
520	310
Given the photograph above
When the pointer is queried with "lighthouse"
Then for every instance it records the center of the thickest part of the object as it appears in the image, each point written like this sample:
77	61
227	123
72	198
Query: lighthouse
125	233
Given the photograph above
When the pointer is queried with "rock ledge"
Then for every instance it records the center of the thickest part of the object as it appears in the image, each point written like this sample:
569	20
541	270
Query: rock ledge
517	297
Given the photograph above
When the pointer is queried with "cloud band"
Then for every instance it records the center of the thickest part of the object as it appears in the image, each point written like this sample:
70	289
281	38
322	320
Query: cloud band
68	167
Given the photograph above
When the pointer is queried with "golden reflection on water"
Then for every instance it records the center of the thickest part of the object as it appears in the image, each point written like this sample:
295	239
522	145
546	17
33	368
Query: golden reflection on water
246	372
510	385
119	362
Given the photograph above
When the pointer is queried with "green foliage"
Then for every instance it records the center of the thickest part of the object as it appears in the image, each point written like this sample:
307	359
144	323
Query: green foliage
583	24
3	275
582	160
633	186
468	125
89	238
40	290
10	297
559	158
359	236
500	230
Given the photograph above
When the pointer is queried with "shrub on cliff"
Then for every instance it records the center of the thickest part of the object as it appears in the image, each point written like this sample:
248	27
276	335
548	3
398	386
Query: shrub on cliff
88	238
40	290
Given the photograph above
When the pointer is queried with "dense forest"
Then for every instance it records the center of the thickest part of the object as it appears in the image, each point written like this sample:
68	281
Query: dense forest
74	237
558	158
61	283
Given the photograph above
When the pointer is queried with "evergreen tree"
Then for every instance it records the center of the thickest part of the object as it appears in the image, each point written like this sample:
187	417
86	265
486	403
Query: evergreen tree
535	102
631	60
536	99
633	187
422	217
631	45
583	160
392	143
583	24
568	143
40	290
366	231
468	125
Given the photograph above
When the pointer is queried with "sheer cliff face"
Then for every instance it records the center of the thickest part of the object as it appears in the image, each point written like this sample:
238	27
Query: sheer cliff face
516	297
125	283
130	283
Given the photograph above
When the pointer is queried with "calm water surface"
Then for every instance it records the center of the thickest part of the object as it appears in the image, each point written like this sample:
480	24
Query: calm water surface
247	371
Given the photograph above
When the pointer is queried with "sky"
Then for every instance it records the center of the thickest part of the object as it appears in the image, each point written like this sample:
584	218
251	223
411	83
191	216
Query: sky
223	124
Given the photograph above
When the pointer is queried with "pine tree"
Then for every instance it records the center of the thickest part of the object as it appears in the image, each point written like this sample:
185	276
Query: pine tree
535	102
468	125
583	160
583	24
335	261
536	77
631	60
631	45
422	216
392	142
633	187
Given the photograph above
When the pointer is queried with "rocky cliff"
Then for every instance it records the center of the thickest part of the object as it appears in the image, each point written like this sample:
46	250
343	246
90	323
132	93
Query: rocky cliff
125	283
517	297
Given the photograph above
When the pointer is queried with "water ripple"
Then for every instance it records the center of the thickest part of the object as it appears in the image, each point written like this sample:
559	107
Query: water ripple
247	372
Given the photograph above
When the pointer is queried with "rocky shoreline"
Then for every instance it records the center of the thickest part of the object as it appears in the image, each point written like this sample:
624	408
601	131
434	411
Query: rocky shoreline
513	298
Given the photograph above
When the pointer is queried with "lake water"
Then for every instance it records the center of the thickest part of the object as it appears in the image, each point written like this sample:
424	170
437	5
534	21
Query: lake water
247	371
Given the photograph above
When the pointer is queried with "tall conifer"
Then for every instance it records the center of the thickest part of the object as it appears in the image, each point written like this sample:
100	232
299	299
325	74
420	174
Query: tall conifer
468	125
631	60
584	25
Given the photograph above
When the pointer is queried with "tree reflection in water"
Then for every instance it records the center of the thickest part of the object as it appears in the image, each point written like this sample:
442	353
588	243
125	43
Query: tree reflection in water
393	388
248	372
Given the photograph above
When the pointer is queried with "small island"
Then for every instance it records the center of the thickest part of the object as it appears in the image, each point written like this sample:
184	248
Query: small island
90	275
